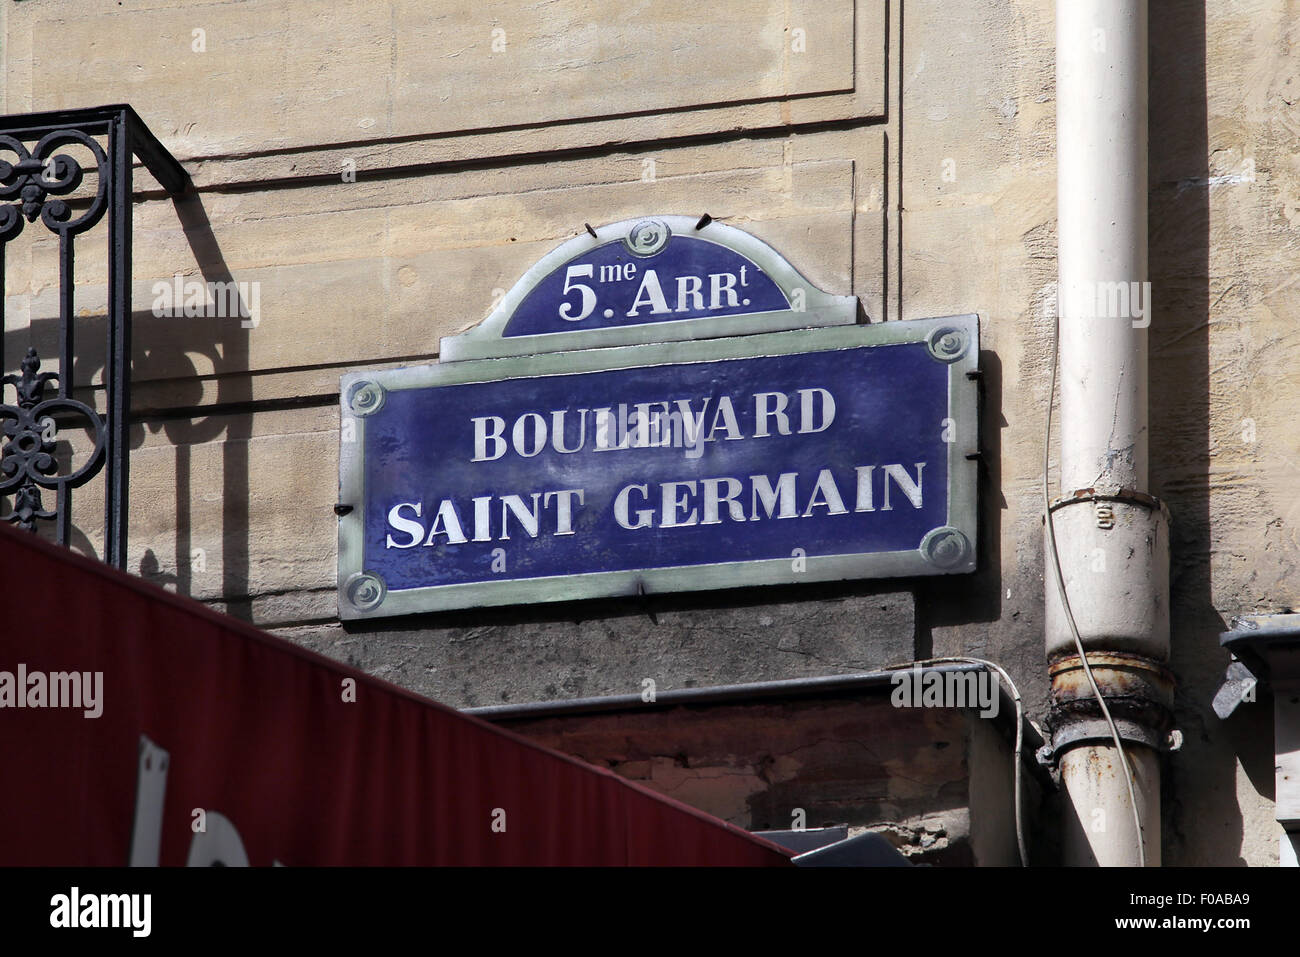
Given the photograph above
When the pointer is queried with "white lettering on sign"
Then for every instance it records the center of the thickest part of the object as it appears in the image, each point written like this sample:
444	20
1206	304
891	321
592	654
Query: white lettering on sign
709	292
690	293
586	292
668	423
673	504
650	294
489	520
617	273
671	423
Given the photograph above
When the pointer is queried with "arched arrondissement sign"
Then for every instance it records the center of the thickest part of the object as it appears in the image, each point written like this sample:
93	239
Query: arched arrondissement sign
661	404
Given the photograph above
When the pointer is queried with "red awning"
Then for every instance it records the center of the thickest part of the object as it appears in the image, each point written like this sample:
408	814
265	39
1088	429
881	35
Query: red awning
216	741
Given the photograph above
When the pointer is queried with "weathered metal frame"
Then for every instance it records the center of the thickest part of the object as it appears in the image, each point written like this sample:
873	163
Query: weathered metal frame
127	136
963	408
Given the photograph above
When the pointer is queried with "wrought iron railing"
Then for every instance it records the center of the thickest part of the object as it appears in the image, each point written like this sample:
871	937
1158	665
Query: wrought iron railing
37	182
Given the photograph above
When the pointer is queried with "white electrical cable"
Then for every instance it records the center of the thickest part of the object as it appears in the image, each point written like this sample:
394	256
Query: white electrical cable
1020	727
1065	601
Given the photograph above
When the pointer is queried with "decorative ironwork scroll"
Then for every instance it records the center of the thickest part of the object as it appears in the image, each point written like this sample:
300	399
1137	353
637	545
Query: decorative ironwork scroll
27	463
37	181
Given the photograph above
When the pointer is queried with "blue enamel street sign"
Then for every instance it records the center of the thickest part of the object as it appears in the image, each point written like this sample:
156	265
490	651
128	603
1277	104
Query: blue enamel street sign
682	278
654	280
842	451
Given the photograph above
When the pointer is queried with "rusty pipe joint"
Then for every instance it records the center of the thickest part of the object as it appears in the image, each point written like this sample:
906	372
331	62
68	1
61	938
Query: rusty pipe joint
1139	692
1101	826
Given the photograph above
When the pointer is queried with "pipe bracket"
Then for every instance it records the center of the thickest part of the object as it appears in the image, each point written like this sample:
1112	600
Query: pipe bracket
1104	496
1138	693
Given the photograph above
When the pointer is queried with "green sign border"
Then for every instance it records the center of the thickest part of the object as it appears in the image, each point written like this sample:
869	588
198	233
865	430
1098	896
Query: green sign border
948	549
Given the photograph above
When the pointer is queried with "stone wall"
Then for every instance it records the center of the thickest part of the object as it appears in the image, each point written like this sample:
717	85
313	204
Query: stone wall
385	169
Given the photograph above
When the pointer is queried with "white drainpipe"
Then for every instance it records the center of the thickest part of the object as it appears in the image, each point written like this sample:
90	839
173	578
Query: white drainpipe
1111	536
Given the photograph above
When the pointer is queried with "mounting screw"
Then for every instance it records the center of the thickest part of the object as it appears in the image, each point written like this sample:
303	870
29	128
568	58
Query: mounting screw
947	343
365	590
1046	756
946	547
365	397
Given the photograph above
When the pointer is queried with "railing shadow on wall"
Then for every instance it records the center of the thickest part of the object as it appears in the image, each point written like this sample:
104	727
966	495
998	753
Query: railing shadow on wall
188	420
